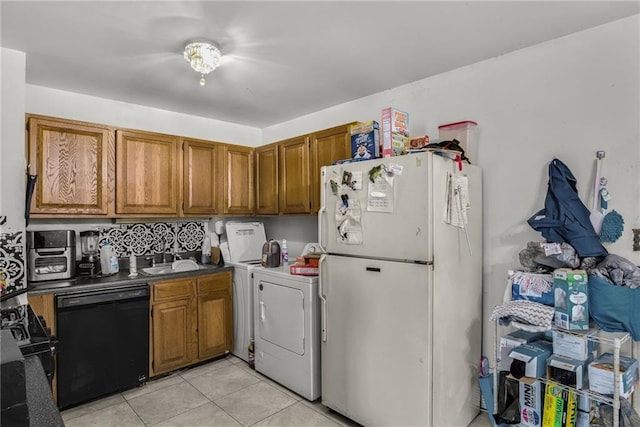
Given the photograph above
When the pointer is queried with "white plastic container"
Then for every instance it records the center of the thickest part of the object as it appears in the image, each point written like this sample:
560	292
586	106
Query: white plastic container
133	266
466	133
108	260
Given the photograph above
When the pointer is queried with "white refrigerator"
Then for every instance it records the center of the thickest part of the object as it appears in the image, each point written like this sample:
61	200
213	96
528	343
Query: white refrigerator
401	290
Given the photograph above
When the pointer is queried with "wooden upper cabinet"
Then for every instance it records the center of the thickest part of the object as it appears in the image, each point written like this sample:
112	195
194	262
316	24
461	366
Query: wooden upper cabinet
238	180
267	179
146	166
74	164
203	174
293	160
327	146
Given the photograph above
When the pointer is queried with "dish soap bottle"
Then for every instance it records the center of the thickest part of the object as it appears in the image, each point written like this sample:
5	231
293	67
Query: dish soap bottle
285	253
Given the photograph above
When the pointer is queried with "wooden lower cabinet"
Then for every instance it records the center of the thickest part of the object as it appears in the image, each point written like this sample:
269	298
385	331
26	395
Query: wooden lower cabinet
173	330
44	305
191	321
215	315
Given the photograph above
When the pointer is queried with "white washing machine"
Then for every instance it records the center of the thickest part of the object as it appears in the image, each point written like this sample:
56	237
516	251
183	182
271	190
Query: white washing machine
245	240
287	329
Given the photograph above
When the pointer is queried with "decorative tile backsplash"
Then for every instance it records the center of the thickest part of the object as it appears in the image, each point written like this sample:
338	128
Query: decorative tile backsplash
12	260
154	238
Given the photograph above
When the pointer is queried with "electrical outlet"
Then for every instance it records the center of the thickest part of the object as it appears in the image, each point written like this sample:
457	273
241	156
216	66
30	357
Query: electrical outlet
636	239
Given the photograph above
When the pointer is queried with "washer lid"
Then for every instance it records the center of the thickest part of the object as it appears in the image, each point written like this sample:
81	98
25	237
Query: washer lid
245	240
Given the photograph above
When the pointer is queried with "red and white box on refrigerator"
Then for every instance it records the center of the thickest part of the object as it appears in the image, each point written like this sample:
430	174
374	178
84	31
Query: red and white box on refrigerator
395	132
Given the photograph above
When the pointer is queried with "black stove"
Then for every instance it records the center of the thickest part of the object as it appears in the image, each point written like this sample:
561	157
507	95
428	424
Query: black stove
31	335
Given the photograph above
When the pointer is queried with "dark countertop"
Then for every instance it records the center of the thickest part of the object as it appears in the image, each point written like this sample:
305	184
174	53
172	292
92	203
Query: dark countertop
121	279
43	411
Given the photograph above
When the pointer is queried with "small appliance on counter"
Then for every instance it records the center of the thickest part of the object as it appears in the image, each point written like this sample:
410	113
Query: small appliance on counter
271	254
51	255
89	265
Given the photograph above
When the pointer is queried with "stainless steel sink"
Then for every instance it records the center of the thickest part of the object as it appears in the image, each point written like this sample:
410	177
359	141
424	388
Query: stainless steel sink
175	267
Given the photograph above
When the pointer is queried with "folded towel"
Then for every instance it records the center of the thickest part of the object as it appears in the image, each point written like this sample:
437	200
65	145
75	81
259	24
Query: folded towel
524	311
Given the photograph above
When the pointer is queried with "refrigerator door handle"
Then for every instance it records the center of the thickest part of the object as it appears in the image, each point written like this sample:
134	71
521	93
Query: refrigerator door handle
323	300
262	311
323	207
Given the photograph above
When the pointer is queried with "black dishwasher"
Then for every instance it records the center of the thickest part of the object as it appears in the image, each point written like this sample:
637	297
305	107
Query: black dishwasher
103	343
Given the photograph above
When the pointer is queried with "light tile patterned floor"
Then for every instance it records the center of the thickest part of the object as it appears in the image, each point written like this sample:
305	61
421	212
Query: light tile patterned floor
222	393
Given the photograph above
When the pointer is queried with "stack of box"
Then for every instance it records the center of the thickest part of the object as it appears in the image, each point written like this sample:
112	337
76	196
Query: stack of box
306	265
548	377
601	375
395	132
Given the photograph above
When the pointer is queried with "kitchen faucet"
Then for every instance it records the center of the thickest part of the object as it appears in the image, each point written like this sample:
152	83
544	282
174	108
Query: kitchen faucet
166	257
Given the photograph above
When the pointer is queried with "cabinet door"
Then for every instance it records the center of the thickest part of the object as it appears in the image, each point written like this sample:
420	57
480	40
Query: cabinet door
202	177
215	315
238	180
214	318
327	146
267	179
173	331
146	166
44	305
293	158
74	163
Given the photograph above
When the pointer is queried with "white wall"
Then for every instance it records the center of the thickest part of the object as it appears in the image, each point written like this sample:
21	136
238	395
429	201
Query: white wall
69	105
12	160
566	98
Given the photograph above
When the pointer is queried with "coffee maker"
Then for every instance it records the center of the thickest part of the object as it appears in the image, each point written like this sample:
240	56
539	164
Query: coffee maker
89	265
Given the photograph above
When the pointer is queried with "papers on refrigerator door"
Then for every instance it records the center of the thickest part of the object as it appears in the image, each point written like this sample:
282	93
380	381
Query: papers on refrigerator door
380	195
457	201
349	222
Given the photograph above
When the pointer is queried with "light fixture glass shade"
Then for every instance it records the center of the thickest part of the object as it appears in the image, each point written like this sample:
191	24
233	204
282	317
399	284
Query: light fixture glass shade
203	56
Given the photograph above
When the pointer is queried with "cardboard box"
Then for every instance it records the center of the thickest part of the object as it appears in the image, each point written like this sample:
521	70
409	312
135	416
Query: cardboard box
510	341
601	375
531	401
571	300
560	406
365	140
573	346
303	270
567	371
395	132
532	357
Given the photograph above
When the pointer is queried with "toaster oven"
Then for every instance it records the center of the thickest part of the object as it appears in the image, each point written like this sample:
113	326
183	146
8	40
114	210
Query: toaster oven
51	255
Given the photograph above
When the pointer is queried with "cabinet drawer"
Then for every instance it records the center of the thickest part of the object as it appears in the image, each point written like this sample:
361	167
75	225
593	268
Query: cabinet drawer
214	282
172	289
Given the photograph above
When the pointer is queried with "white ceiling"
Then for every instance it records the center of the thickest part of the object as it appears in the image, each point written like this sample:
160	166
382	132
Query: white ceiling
282	59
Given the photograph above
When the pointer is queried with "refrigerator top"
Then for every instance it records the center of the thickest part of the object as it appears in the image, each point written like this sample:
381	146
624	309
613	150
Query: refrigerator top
399	215
245	241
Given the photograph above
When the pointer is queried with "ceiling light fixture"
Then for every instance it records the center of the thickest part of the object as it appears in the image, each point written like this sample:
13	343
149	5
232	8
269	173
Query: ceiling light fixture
203	56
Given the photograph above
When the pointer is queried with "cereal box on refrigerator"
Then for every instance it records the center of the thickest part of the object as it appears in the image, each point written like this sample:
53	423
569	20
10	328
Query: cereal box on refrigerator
365	140
395	132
